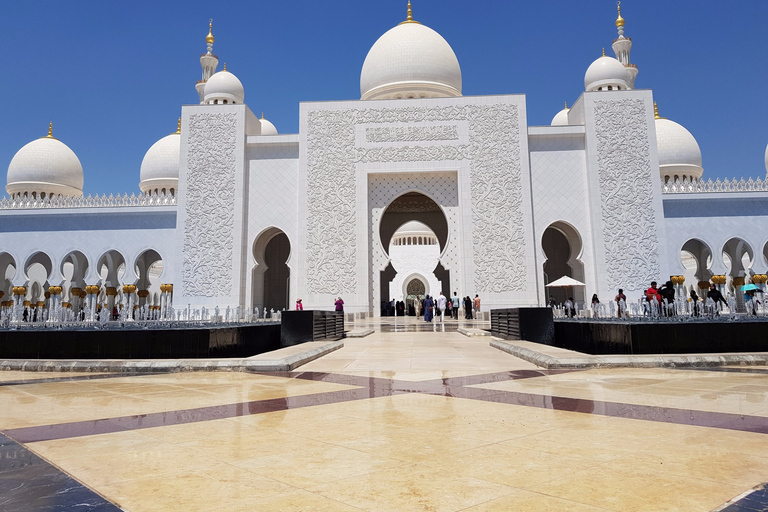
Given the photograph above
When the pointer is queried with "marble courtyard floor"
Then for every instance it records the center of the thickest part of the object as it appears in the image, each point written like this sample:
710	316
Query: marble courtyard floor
395	421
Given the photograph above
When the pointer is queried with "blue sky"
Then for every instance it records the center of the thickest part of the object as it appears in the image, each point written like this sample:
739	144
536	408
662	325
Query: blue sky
112	76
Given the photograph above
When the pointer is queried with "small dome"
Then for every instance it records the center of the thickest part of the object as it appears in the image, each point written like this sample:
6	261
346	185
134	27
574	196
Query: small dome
267	128
606	72
679	153
410	61
160	167
561	118
223	87
766	161
45	166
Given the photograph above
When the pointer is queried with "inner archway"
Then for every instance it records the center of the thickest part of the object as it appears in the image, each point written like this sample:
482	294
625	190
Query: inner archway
271	276
413	233
561	244
7	272
37	269
696	257
415	291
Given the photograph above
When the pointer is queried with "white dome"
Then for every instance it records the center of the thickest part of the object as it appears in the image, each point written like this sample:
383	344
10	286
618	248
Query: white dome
223	87
679	153
561	118
267	128
605	72
410	61
45	166
766	160
160	167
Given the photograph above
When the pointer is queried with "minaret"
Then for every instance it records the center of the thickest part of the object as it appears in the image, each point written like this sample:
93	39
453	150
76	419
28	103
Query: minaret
208	61
621	47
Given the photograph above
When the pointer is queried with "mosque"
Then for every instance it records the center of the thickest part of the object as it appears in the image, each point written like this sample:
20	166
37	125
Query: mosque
411	189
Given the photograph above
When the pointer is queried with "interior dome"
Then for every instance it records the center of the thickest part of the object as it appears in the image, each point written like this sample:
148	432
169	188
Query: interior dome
679	153
267	128
561	118
410	61
160	167
606	72
223	87
45	166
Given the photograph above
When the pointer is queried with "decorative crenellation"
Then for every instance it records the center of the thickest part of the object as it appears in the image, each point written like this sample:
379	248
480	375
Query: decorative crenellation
686	186
26	202
210	197
626	193
412	133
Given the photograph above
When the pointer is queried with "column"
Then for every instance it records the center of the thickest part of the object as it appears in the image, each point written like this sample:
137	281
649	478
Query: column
111	294
91	292
128	294
19	292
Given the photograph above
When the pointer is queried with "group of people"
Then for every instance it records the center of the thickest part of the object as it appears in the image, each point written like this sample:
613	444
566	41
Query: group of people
442	306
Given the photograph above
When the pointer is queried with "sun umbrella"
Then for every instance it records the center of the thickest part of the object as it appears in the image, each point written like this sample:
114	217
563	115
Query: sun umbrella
565	282
749	287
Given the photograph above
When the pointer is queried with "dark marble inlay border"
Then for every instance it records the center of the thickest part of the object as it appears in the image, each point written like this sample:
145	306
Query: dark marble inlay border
27	482
374	387
756	501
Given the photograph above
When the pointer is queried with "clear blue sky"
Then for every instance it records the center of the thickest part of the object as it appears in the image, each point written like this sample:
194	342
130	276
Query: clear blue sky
112	76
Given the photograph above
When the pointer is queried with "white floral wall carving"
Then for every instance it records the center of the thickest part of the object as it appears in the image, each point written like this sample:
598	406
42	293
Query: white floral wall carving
209	205
495	177
626	193
412	133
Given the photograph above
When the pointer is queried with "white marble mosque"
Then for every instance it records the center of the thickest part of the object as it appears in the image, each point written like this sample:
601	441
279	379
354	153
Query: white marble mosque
412	188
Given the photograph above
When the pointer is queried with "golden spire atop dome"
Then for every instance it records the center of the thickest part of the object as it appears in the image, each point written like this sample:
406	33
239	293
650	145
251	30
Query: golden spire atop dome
178	126
262	115
50	132
409	17
656	111
209	37
619	20
225	66
603	52
566	104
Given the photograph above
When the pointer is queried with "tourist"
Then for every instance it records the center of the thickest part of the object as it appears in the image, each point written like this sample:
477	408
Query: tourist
652	299
717	297
476	305
595	306
441	305
456	302
667	294
621	303
467	308
299	305
428	305
570	310
339	305
694	303
752	301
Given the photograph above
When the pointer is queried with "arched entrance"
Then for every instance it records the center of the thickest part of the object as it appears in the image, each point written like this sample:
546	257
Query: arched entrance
696	257
562	246
37	269
416	289
7	272
738	257
413	233
149	268
271	275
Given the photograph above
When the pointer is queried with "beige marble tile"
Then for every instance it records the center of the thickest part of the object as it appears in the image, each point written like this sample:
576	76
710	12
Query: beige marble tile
411	488
298	500
527	501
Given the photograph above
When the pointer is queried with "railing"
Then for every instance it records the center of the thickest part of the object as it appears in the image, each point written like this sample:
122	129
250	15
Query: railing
686	186
103	201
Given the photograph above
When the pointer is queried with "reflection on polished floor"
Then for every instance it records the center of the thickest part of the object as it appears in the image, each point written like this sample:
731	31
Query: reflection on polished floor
395	421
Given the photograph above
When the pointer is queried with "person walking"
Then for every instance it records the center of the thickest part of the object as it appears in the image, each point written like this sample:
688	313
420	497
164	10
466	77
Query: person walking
456	302
299	305
428	307
752	302
717	297
476	306
694	303
570	311
595	306
621	303
339	305
441	305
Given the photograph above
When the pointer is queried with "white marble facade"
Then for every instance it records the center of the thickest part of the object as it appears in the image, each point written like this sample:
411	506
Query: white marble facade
496	185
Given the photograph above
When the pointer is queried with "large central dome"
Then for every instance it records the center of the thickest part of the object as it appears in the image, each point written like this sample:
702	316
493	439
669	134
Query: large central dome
410	61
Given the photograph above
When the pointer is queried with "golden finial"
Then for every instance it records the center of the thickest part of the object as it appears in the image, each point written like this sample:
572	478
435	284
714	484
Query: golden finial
178	126
50	131
566	104
209	37
409	17
619	20
656	111
603	52
262	115
225	66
